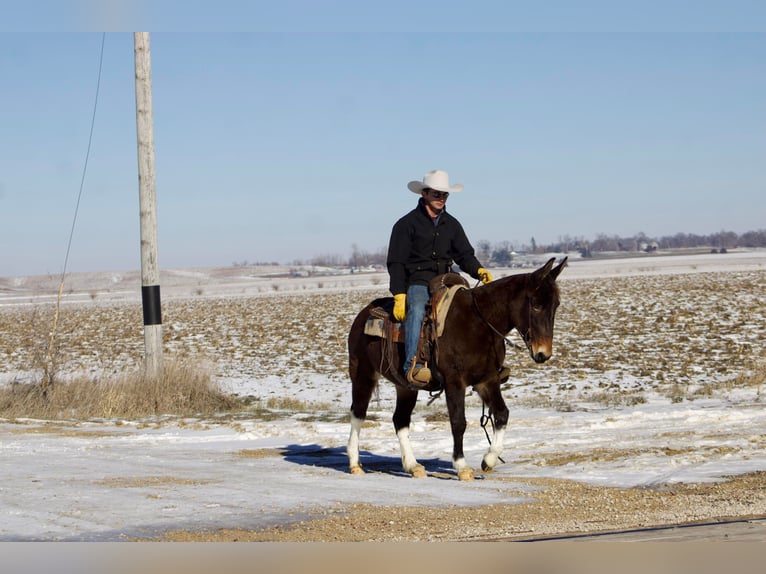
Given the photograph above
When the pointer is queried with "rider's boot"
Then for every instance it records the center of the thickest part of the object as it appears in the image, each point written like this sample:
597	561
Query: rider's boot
419	375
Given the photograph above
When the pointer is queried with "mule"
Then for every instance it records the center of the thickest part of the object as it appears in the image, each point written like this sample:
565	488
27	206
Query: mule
469	353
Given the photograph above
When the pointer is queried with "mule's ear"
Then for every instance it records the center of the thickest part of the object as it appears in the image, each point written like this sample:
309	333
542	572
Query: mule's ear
542	273
559	268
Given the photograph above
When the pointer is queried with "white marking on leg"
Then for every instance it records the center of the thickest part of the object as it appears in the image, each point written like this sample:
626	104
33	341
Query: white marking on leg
459	464
353	443
495	450
409	462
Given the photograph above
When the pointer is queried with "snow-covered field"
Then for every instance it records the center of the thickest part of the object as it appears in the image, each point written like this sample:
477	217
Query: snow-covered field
657	377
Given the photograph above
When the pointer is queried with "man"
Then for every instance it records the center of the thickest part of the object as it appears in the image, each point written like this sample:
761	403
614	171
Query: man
424	243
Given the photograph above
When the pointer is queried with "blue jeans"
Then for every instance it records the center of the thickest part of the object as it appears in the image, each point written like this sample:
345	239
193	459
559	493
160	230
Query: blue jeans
417	298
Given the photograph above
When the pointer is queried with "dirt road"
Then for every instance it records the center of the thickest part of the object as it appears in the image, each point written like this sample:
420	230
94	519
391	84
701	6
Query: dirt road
559	510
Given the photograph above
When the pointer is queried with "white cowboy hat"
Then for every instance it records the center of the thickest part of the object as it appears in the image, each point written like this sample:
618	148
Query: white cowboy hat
436	179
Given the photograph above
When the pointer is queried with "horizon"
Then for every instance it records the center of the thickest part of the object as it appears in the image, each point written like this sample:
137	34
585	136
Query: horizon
344	263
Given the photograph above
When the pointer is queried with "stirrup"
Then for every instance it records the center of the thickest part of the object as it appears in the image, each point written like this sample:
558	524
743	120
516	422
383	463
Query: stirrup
419	377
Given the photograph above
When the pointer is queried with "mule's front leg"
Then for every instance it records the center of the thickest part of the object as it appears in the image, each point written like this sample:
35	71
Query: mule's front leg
495	450
456	409
405	403
409	462
499	413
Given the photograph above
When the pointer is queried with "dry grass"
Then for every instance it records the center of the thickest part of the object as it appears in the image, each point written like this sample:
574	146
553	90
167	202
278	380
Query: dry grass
148	482
295	405
754	376
601	455
184	388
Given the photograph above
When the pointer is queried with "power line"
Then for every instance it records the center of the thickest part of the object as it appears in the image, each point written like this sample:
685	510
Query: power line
48	369
87	156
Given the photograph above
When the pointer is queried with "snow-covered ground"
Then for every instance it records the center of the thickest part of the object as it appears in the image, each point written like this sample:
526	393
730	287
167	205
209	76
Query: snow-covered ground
111	480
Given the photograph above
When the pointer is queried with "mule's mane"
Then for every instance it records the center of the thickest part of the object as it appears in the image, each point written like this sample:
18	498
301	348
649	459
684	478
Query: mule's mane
528	280
521	281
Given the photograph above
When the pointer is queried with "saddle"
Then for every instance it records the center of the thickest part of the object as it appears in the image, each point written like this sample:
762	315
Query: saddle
443	288
381	322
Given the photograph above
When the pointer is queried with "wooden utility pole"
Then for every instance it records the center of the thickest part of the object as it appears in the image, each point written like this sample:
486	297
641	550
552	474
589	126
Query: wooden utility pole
150	273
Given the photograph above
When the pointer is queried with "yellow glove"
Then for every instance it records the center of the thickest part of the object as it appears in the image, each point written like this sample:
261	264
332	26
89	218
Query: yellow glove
400	309
484	275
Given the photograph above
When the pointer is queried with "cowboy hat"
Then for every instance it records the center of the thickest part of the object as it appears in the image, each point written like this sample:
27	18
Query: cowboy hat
436	179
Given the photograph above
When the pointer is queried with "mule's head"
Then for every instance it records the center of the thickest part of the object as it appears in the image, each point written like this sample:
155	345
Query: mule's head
536	316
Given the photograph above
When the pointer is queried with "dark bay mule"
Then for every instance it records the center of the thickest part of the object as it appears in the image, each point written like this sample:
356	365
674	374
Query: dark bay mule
470	353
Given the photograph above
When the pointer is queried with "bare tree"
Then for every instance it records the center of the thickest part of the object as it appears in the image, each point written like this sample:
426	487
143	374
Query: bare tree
483	250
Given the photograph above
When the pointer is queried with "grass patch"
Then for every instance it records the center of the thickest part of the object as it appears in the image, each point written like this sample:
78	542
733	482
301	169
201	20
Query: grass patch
437	416
184	388
754	376
614	399
295	405
538	401
148	482
259	453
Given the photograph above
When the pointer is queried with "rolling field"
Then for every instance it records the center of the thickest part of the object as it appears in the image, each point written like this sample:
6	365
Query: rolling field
619	340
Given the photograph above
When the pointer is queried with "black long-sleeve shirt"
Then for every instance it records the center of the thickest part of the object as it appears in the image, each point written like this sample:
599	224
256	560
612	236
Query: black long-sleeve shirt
419	250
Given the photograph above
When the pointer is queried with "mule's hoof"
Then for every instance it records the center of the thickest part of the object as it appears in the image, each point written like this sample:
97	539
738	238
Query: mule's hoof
356	470
465	474
418	472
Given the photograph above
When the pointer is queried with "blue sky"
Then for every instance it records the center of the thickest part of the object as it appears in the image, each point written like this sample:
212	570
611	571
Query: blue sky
279	146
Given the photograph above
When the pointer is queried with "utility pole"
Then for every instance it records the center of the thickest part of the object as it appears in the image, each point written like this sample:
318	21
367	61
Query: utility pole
150	273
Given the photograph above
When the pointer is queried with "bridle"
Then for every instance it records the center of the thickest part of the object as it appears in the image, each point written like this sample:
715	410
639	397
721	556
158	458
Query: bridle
527	337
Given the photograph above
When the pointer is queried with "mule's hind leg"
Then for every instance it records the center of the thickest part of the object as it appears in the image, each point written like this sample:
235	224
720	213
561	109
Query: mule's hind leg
405	404
493	398
456	408
354	466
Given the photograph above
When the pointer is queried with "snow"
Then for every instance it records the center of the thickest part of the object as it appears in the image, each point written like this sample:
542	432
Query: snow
113	480
106	482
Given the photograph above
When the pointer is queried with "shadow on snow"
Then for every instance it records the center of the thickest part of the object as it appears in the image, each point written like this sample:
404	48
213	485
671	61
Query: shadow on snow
336	459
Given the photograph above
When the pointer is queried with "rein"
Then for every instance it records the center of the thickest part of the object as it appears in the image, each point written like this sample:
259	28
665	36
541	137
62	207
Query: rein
487	419
494	330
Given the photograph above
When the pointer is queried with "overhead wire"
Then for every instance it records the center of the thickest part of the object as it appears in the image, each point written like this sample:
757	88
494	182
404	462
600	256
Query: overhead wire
48	368
87	156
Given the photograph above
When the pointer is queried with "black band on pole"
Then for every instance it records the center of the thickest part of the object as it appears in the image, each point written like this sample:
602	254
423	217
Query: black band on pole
150	297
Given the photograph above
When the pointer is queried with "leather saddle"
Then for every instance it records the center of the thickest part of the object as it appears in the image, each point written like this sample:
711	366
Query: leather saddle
381	322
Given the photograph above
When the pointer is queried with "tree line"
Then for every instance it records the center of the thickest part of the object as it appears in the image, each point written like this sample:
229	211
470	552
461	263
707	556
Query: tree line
720	241
502	253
